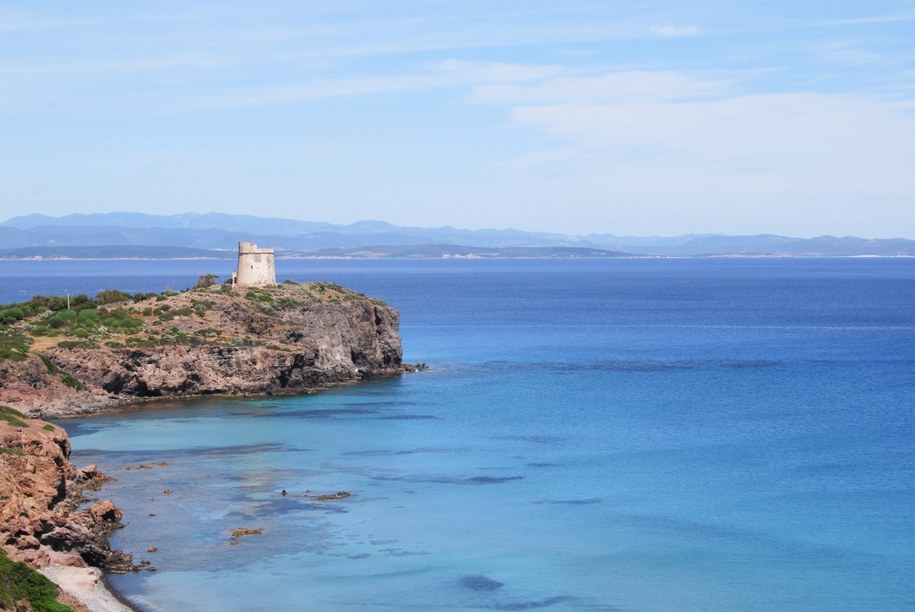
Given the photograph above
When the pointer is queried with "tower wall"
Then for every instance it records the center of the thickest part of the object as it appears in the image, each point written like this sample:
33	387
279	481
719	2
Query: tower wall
255	266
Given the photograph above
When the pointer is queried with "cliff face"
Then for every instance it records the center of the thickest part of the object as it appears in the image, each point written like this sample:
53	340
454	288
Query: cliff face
40	496
286	339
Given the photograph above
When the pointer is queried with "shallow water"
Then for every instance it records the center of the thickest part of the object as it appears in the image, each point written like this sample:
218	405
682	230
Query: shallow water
594	435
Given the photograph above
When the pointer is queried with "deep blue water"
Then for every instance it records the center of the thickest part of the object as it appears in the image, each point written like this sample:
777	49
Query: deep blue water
594	435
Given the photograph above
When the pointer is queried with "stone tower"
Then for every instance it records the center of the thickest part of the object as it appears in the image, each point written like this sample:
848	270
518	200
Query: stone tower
255	266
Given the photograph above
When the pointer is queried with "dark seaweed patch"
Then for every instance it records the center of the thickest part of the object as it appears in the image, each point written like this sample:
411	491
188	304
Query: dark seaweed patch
473	480
378	404
491	479
399	552
636	365
377	453
572	502
478	582
330	413
535	439
388	453
532	605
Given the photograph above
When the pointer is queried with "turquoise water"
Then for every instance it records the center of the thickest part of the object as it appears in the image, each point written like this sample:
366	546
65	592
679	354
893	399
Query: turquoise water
594	435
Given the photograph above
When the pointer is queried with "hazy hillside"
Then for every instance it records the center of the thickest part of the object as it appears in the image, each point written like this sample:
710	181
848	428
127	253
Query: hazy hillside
41	235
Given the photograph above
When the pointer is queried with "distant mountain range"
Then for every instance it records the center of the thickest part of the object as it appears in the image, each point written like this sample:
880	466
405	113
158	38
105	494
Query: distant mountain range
127	234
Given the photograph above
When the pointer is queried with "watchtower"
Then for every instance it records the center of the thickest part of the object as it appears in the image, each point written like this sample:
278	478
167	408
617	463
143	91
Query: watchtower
255	266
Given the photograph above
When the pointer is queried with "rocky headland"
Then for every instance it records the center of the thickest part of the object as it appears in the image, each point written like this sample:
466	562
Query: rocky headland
210	340
48	518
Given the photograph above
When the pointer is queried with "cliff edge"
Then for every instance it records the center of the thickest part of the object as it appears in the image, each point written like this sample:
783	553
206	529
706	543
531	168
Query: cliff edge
116	349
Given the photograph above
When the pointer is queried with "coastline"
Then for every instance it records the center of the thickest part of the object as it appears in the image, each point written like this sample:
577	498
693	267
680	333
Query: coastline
88	586
207	341
50	520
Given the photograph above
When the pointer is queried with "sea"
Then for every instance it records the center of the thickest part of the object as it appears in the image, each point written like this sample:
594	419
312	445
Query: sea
592	434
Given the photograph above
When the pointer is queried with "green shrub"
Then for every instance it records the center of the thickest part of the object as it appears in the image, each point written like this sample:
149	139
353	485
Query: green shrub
62	318
11	315
72	382
88	316
48	427
52	367
19	582
40	330
72	344
81	332
13	345
54	303
5	450
124	324
207	280
110	296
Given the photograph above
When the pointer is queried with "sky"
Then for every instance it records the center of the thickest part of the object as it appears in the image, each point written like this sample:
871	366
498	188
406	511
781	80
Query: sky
657	117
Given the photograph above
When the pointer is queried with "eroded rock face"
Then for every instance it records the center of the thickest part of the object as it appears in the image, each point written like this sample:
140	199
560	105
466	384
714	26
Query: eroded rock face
286	339
40	496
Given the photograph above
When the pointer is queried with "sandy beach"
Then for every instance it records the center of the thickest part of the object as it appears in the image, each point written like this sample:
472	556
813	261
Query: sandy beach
85	584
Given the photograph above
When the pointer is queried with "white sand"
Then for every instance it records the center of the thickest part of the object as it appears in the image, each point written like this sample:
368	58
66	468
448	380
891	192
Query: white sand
85	584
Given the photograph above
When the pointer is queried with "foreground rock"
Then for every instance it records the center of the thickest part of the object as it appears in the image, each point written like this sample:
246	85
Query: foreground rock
291	338
46	518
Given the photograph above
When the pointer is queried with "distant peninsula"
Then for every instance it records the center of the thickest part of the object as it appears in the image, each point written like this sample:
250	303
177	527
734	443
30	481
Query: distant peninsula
63	358
126	235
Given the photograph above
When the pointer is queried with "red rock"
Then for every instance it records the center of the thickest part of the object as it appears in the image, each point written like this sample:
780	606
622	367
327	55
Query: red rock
40	519
106	511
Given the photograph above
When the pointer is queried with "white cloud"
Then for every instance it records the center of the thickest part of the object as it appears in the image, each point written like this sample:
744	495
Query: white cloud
609	87
693	154
473	73
437	75
675	31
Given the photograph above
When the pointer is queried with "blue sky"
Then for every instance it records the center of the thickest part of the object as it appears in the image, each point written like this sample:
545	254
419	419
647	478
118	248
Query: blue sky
634	118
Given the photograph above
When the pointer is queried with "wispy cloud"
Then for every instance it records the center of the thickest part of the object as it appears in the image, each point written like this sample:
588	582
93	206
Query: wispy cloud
898	17
848	52
628	86
435	75
675	31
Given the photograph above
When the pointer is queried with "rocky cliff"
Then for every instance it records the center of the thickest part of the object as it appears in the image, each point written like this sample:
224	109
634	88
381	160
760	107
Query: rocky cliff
290	338
42	494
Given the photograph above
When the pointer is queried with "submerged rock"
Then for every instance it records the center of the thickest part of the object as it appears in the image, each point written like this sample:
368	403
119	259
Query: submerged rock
241	532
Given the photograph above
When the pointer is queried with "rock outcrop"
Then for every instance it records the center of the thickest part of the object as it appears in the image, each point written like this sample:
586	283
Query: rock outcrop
42	494
291	338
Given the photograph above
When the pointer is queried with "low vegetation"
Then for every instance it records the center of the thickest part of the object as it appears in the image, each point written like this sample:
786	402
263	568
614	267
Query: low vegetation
118	320
20	584
12	416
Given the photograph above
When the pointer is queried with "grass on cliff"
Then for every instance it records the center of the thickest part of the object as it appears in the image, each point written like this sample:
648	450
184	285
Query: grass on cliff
12	416
19	583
